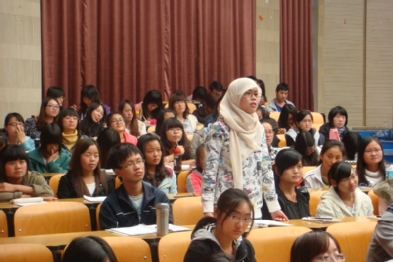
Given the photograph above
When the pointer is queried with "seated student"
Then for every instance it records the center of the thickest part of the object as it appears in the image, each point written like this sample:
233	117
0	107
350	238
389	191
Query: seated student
90	95
270	136
48	114
198	96
216	87
93	121
50	157
173	137
107	139
85	176
344	198
207	108
286	121
56	93
261	84
116	121
280	100
351	141
384	191
151	105
381	244
14	127
226	231
69	125
178	103
305	145
336	127
133	202
288	172
156	173
316	246
15	179
303	122
163	115
194	178
211	118
88	249
134	126
332	152
371	166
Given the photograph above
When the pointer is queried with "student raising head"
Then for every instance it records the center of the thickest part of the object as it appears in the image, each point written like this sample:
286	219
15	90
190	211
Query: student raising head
69	125
133	126
303	122
344	198
15	179
133	202
156	173
116	121
336	127
85	176
332	152
223	232
178	103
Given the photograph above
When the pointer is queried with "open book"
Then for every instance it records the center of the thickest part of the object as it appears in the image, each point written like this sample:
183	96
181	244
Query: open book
144	229
28	201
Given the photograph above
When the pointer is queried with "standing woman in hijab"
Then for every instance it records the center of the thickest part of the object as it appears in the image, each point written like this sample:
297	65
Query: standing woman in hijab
235	156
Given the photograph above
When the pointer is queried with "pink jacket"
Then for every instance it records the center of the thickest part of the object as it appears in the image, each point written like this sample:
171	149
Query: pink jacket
128	138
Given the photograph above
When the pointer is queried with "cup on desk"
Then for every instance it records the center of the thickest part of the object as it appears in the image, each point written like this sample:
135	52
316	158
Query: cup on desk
389	174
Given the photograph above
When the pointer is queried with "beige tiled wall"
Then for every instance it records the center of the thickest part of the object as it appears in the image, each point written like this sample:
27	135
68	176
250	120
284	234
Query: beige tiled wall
20	57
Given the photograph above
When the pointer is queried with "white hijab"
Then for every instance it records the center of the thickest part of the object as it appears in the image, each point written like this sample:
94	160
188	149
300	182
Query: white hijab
246	132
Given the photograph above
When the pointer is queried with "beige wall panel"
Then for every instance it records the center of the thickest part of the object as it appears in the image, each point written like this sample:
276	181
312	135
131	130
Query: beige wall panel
379	63
268	45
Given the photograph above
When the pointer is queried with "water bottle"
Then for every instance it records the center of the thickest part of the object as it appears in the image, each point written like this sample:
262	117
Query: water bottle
162	214
177	163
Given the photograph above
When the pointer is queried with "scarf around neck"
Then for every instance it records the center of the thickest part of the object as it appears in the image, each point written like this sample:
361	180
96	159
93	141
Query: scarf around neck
69	140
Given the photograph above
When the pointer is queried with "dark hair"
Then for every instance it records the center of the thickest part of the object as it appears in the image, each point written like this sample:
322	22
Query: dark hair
18	117
109	118
119	153
179	96
133	126
272	122
286	158
12	153
161	172
152	97
106	140
3	138
216	85
228	201
171	123
286	110
88	249
261	84
88	126
337	110
160	118
68	112
339	171
351	142
252	77
41	117
81	146
199	92
309	245
333	143
92	93
304	140
200	149
361	166
55	92
282	86
50	134
301	115
211	100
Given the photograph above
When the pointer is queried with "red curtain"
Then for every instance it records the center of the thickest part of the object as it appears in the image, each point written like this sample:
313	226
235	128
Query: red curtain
126	48
296	51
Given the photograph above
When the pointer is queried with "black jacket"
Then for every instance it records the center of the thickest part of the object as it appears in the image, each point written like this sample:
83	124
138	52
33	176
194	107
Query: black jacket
324	133
118	211
67	190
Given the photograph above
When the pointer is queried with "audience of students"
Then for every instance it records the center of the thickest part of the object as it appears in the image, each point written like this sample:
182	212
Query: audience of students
194	178
50	157
133	126
16	180
280	100
224	232
371	167
14	127
178	103
116	121
344	198
48	114
133	202
336	127
85	176
93	121
89	95
156	173
332	151
107	139
69	124
288	172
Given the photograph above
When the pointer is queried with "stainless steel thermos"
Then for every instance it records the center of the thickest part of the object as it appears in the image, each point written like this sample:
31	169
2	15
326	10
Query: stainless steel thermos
162	214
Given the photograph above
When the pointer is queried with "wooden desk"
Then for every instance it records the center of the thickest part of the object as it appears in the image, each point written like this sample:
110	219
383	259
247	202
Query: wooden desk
323	225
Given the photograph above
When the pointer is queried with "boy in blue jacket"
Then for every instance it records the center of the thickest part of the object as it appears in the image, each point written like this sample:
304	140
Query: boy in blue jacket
133	202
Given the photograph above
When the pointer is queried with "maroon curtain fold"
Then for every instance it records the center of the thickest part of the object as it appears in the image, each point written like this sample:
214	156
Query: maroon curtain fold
126	48
296	51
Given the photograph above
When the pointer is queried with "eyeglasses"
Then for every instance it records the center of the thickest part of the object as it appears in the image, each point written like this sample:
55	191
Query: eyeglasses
347	179
133	164
328	258
250	94
53	106
16	124
375	151
236	219
117	120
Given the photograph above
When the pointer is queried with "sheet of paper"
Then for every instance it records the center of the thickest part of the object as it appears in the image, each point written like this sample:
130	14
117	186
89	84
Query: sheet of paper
270	223
321	220
28	200
172	228
135	230
94	199
28	204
